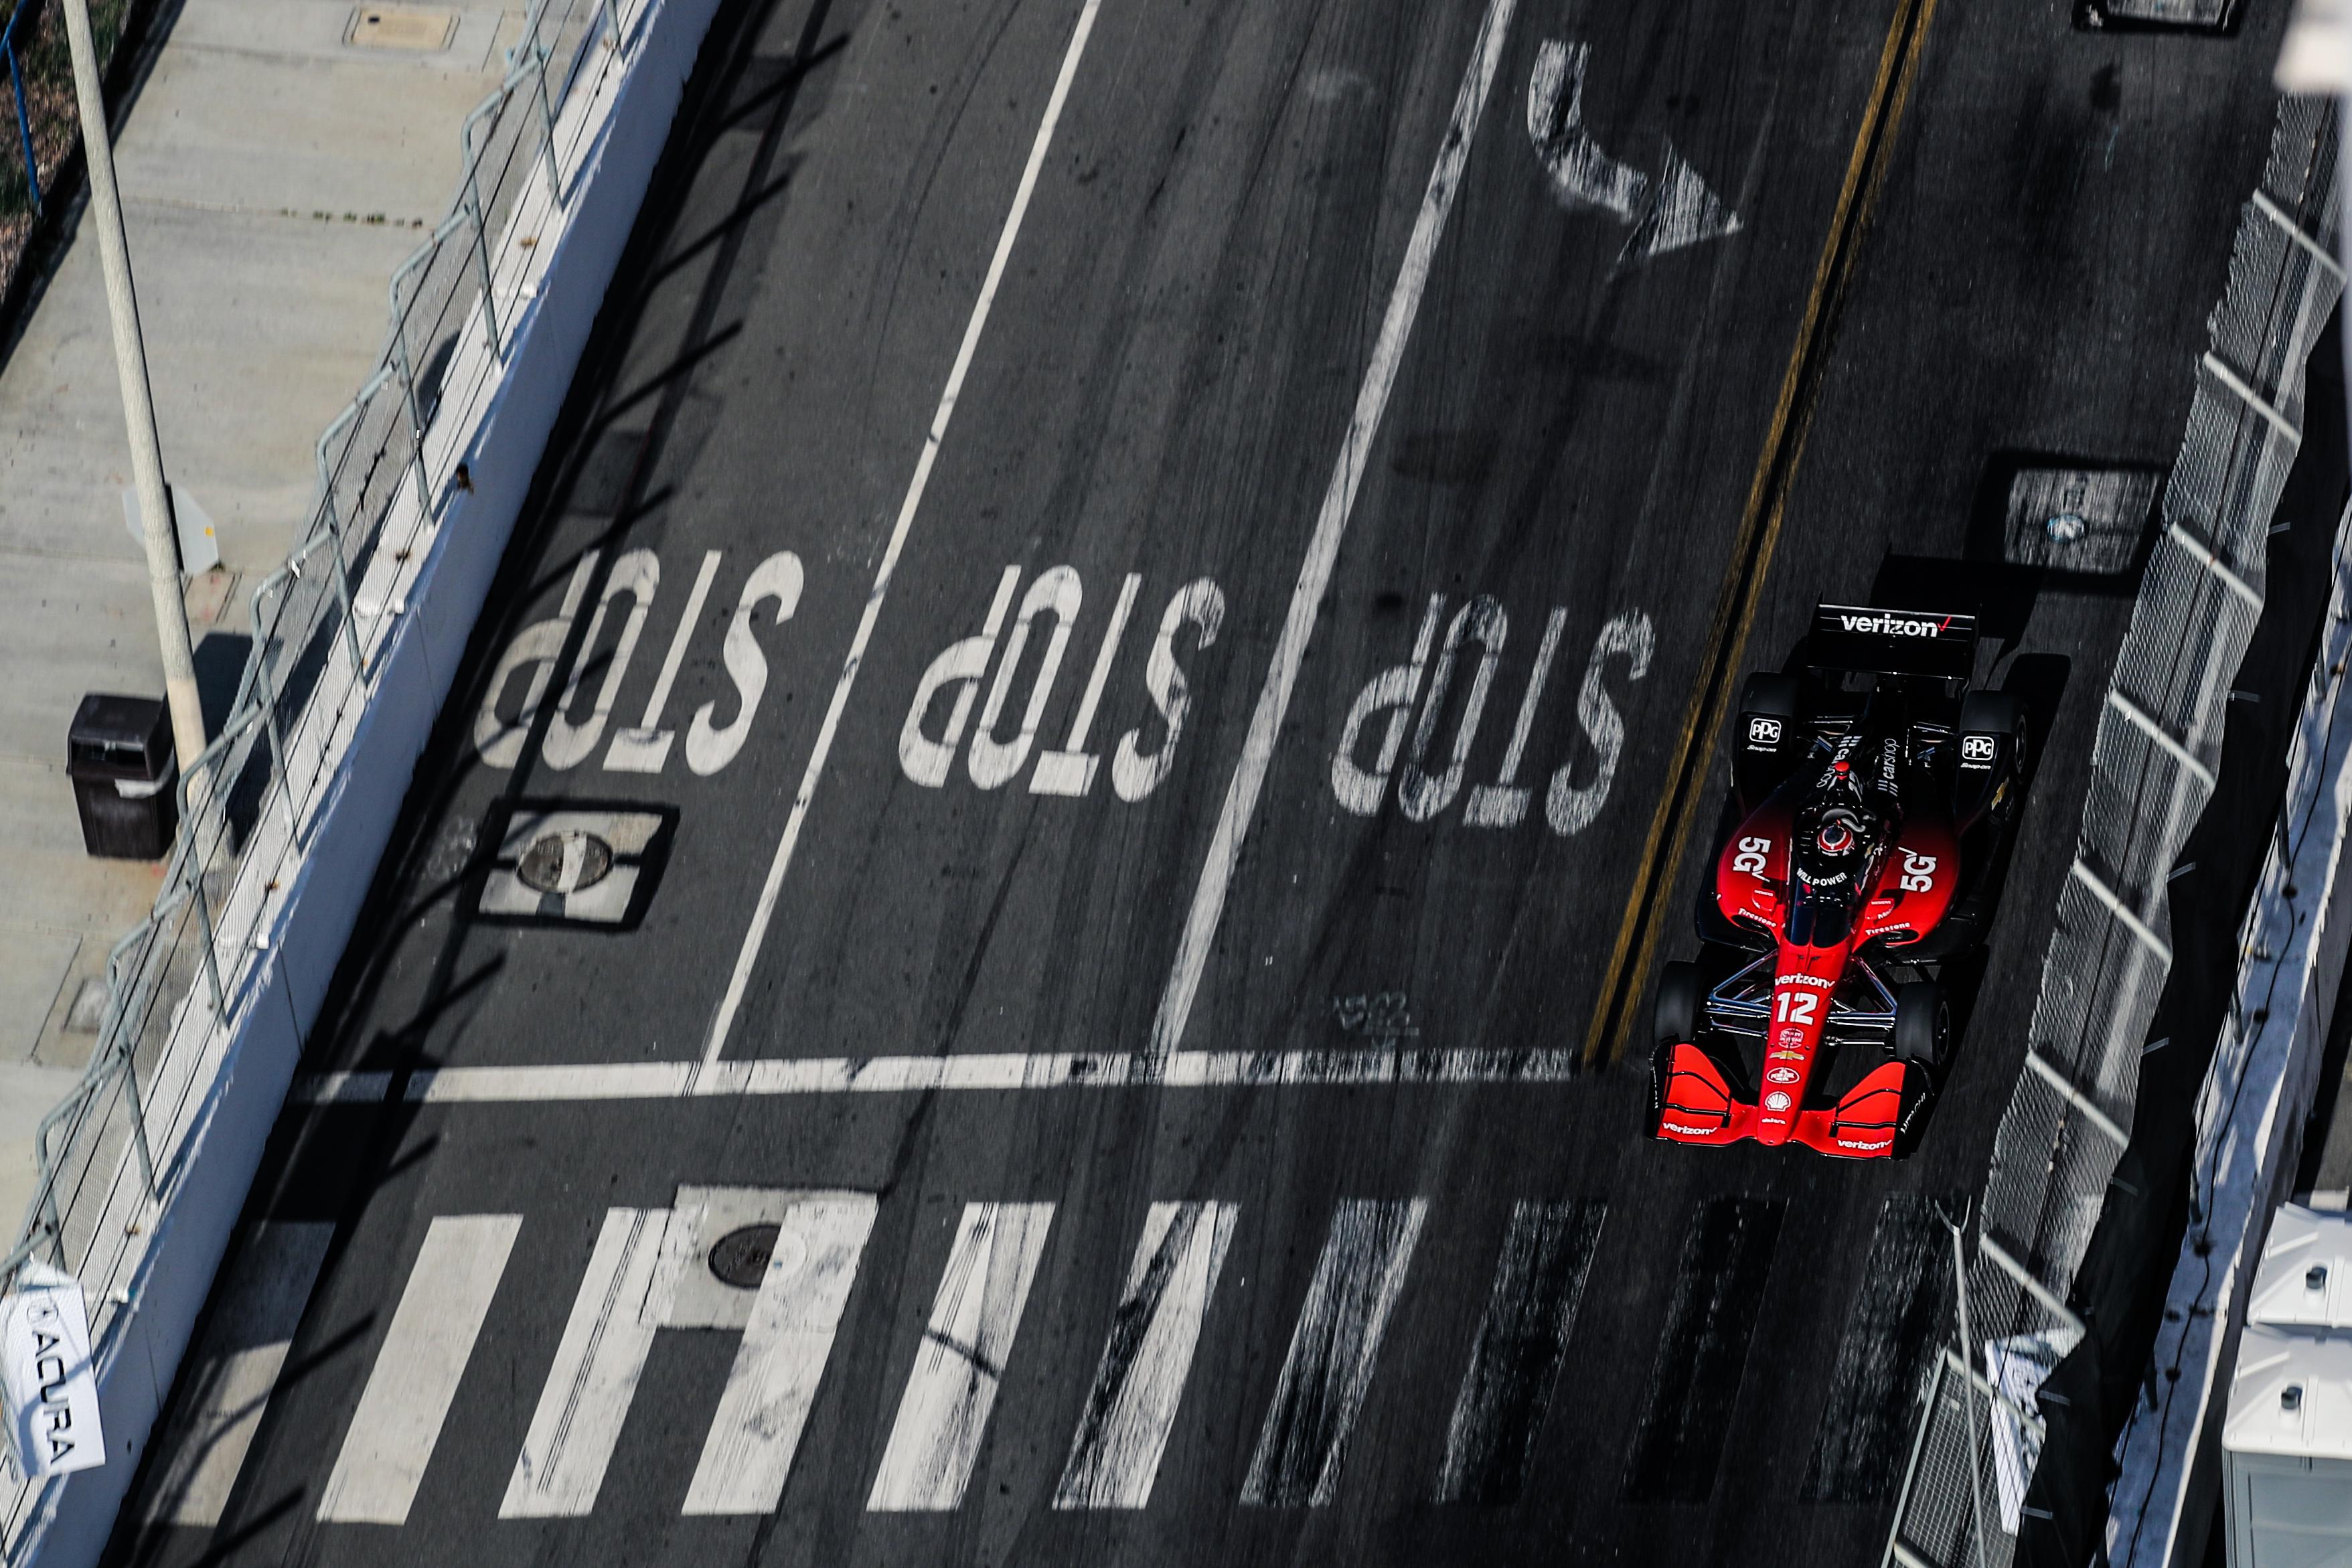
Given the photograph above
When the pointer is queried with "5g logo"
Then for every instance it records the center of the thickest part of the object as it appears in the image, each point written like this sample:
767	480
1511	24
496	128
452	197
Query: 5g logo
1752	851
1918	871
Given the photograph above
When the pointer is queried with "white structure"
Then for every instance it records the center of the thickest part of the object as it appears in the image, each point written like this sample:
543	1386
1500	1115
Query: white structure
2286	1445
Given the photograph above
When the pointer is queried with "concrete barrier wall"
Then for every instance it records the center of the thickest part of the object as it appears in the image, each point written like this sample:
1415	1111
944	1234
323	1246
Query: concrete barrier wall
217	1163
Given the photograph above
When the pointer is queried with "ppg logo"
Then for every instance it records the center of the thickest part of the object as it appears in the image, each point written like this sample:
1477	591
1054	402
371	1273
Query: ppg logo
1763	732
1976	748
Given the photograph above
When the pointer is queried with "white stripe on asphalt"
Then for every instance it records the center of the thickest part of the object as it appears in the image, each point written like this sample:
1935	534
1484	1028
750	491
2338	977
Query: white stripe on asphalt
1115	1456
952	1386
757	1430
597	1364
765	909
416	1369
235	1369
922	1075
1323	547
1332	1352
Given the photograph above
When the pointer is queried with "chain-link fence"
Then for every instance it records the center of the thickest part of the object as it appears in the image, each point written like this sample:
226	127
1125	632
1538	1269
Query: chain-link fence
2153	763
389	466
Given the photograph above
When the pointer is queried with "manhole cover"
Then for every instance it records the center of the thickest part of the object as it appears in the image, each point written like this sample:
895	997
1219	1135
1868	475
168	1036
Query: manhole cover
740	1257
566	862
405	31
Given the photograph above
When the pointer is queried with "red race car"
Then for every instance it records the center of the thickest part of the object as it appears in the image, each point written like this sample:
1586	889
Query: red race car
1861	850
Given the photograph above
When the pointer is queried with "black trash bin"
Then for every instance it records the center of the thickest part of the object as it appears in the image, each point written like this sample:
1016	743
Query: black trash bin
119	754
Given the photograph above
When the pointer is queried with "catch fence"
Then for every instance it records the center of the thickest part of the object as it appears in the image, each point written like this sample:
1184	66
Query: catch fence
2154	763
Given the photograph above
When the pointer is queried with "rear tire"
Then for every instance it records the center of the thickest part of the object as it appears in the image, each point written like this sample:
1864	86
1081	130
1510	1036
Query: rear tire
1769	696
1923	1023
1996	713
1675	1011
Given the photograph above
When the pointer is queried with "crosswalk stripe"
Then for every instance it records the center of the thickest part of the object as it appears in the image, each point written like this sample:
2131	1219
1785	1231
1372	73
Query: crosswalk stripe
774	1383
236	1367
1515	1363
936	1438
1332	1352
417	1368
1115	1454
597	1364
1703	1350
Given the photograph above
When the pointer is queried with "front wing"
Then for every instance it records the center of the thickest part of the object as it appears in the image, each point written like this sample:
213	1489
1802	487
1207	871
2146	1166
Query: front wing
1693	1102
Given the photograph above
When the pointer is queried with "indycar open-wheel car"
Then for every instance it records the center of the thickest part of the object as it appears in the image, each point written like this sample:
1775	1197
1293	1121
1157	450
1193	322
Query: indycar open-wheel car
1873	800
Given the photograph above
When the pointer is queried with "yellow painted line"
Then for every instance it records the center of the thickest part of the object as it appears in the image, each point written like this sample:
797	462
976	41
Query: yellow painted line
1624	983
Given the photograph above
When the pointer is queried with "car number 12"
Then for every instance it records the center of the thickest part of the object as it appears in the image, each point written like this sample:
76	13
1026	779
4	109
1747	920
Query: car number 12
1796	1006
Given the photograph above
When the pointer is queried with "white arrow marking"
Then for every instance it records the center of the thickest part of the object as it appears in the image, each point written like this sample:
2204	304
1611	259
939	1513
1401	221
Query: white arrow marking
1673	212
1682	211
1581	174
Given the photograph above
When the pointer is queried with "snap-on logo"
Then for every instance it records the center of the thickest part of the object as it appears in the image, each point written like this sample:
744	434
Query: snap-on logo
1764	731
1775	1100
1885	624
1782	1074
1977	748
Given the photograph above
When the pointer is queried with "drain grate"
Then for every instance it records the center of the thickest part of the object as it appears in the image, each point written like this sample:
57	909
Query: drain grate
740	1257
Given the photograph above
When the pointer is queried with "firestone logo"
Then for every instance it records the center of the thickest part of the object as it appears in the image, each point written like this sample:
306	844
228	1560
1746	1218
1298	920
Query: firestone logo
1885	624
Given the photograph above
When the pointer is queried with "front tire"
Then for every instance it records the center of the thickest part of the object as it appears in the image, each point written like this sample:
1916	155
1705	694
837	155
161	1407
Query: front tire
1923	1023
1675	1011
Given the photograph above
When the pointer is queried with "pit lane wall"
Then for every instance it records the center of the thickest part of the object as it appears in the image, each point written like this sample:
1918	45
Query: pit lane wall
2155	761
147	1164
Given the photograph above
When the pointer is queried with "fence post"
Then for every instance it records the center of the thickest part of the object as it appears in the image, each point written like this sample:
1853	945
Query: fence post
408	382
335	526
490	105
269	695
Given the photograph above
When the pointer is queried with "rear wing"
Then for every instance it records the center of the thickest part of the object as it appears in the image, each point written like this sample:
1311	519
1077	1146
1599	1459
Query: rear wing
1892	642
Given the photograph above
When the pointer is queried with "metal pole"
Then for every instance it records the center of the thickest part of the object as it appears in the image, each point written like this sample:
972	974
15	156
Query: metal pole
138	401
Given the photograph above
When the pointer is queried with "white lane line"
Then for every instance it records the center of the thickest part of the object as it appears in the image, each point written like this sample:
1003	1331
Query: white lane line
952	1386
1323	547
1332	1353
236	1370
417	1368
597	1365
764	910
1115	1454
773	1383
921	1075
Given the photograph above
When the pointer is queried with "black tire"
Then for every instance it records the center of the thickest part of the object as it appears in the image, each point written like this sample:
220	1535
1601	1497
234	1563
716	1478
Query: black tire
1923	1023
1675	1011
1996	713
1772	696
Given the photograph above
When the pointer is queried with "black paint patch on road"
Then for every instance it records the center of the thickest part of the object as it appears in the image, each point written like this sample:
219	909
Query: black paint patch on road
1694	1382
1867	1422
1514	1365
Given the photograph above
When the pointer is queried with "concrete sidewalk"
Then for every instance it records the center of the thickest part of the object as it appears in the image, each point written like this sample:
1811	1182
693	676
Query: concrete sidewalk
278	160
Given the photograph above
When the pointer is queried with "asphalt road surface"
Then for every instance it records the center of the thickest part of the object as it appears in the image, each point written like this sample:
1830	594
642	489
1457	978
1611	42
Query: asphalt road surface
1190	1065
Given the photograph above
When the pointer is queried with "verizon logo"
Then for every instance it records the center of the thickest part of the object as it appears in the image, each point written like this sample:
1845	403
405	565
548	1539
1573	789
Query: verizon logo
1884	624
